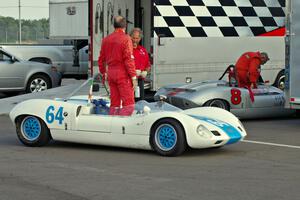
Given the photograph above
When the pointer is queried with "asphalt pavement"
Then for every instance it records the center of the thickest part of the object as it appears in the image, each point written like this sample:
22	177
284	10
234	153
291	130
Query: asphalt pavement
70	171
265	166
7	102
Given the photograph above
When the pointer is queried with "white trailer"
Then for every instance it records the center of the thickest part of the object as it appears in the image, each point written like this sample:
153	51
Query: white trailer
68	19
195	40
292	82
69	22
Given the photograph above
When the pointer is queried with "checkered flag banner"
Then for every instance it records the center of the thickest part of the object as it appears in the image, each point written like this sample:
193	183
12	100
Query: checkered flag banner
218	18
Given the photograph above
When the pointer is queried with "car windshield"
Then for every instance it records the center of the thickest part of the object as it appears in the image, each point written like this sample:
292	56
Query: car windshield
155	106
90	87
93	92
4	56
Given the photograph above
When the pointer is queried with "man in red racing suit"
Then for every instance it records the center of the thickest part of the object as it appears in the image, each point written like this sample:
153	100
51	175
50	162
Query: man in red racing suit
141	58
248	68
116	62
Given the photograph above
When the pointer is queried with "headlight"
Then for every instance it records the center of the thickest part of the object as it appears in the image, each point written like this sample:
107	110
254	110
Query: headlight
203	131
241	125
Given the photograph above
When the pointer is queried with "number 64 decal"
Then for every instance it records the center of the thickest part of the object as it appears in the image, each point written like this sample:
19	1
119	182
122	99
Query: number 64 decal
236	97
51	116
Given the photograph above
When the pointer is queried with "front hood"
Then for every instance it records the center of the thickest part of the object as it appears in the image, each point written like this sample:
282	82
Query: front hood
187	90
196	86
183	96
232	132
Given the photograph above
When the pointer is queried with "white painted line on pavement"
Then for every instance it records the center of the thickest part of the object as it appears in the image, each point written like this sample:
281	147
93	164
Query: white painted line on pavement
272	144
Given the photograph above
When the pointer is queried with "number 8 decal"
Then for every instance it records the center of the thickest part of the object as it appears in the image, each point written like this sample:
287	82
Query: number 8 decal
236	97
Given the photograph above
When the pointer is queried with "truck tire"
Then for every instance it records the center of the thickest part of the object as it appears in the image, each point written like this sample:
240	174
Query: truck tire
41	60
37	83
280	80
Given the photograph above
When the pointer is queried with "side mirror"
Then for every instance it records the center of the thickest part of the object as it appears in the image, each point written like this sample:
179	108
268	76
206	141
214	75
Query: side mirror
163	97
96	88
13	59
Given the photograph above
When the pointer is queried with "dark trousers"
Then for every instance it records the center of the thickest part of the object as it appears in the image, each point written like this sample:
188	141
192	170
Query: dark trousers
142	91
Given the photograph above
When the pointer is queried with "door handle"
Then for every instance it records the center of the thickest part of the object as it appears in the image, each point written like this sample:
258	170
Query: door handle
159	39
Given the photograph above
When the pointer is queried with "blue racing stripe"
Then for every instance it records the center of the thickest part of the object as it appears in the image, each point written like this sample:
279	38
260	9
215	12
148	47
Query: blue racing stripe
233	133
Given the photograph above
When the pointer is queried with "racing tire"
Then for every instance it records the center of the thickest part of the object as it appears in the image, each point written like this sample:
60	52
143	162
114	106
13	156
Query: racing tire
37	83
219	103
167	138
280	80
32	131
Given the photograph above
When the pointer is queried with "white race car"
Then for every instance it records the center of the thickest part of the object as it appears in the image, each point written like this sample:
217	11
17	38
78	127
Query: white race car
159	126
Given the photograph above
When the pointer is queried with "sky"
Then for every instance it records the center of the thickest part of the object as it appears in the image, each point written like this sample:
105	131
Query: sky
30	9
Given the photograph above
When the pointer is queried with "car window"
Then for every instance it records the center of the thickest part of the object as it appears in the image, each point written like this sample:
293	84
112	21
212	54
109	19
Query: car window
4	56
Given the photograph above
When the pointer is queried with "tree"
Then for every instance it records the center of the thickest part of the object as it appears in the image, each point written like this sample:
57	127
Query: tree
32	30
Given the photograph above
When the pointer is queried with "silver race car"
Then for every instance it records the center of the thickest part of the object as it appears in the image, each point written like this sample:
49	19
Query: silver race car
265	101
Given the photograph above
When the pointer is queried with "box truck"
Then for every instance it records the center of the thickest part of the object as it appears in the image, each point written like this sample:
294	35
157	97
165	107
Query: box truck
292	82
195	40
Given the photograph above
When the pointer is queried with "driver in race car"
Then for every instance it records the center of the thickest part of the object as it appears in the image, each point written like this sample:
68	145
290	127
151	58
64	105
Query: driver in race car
248	68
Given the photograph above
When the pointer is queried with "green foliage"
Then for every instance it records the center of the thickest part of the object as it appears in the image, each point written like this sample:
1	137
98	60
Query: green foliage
32	30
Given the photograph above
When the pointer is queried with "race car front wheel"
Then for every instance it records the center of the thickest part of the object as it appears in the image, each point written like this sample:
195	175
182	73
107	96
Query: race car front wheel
32	131
167	138
219	103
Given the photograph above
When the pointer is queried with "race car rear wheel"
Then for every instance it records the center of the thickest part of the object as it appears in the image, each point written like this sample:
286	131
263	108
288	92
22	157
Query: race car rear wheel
280	80
32	131
168	138
219	103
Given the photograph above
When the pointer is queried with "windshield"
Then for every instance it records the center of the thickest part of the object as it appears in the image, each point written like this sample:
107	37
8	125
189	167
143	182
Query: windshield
93	92
156	106
89	88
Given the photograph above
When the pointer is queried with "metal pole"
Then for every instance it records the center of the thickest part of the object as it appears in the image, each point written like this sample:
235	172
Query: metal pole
91	36
20	31
6	35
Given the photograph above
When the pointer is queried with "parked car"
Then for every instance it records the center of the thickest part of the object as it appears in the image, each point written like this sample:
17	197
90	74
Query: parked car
19	75
158	126
268	100
69	61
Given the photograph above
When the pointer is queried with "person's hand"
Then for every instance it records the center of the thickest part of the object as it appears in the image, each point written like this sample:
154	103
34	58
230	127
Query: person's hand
134	82
144	74
252	86
138	72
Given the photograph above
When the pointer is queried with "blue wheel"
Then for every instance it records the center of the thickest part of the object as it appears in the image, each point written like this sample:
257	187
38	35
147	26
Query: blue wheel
167	137
31	128
32	131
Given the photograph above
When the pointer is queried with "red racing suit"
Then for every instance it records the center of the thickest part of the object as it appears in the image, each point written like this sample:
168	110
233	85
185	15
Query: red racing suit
117	56
248	69
141	58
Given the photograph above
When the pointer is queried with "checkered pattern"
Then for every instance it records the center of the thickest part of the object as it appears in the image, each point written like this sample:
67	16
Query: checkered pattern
217	18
